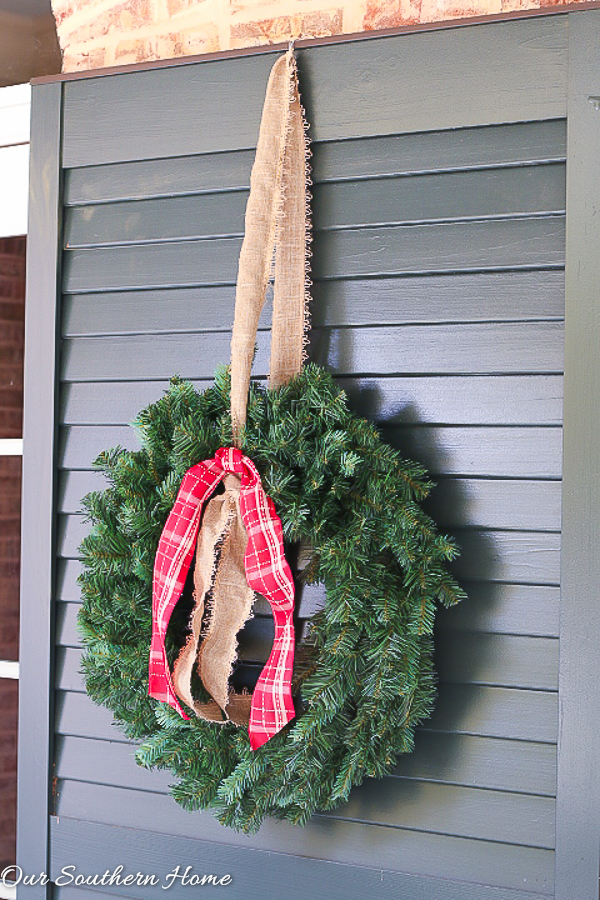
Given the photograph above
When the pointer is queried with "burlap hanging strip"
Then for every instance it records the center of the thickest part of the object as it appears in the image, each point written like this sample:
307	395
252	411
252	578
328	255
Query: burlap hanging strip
276	223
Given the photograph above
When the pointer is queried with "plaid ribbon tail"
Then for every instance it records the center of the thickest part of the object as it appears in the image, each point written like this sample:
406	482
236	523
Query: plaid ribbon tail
171	566
268	572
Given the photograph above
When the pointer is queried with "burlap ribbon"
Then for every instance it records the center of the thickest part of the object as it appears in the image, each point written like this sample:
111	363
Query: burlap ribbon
276	221
219	570
276	232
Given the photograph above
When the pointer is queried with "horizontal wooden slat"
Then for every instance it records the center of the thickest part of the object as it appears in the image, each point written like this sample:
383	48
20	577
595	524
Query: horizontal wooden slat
500	347
504	608
67	670
401	154
353	253
497	296
491	763
325	854
454	503
514	505
460	708
122	118
480	194
443	400
525	557
424	806
501	660
65	891
510	243
67	587
512	661
66	628
513	144
489	607
496	712
493	452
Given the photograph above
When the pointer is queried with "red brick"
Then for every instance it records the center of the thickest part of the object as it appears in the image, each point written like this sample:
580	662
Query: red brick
280	28
13	245
123	17
12	264
12	310
380	14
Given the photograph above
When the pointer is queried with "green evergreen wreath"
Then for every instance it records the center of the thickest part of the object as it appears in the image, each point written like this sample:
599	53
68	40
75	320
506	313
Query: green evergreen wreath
363	677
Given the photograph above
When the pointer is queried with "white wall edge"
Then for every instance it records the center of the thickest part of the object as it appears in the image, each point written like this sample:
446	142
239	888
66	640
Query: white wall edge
8	670
8	891
15	114
11	446
14	189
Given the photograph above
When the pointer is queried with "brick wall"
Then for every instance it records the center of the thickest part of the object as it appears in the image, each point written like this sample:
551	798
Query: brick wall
97	33
12	294
10	525
9	695
12	305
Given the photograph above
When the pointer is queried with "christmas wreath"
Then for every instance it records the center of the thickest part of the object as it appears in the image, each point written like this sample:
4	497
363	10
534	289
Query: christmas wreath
362	673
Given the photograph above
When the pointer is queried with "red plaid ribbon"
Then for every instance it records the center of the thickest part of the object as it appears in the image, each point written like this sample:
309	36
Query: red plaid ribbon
267	572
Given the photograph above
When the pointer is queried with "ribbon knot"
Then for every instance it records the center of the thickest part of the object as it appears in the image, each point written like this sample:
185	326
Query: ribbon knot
231	459
266	571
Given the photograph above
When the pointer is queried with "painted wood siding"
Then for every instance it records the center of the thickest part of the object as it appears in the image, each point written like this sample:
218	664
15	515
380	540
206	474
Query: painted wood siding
438	304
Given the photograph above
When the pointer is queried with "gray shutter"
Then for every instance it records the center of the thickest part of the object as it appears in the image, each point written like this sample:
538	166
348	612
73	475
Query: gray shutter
439	211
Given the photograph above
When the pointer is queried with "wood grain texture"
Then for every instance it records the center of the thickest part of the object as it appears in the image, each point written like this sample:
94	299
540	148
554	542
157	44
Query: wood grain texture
505	713
496	296
490	452
491	763
441	400
39	460
578	809
253	869
504	608
525	557
487	193
400	154
487	348
472	451
352	253
496	712
398	803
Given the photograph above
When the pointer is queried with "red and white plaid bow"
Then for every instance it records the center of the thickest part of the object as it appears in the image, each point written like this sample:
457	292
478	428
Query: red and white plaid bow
267	572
